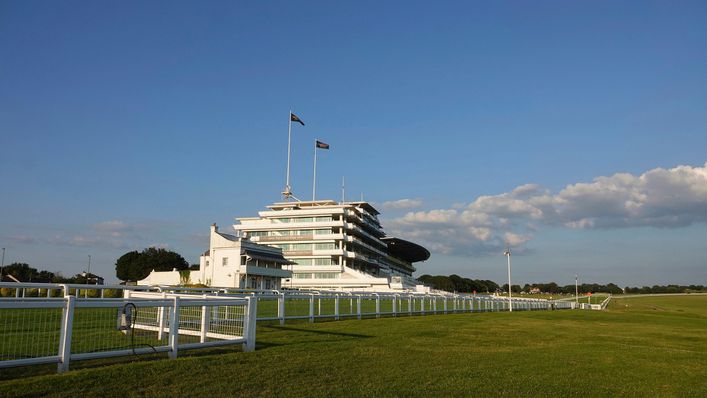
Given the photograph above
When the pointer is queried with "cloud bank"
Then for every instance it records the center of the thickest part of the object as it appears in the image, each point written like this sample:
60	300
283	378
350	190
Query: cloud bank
661	198
401	204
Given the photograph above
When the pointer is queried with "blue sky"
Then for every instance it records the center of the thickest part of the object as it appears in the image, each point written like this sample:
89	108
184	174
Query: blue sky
125	125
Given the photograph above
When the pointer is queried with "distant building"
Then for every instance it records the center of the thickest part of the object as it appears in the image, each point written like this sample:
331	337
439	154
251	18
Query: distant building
231	261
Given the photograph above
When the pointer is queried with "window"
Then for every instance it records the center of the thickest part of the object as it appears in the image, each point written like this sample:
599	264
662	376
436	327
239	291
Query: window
225	261
326	275
207	263
315	261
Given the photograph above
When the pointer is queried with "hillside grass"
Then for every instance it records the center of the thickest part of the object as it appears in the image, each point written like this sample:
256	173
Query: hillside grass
652	346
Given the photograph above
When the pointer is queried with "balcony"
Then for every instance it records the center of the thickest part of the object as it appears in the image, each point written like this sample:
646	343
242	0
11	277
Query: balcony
274	272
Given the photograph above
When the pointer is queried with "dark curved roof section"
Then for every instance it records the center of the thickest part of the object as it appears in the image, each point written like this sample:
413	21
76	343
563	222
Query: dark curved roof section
406	250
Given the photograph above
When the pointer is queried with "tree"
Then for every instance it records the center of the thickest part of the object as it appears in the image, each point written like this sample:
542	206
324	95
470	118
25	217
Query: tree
21	271
134	265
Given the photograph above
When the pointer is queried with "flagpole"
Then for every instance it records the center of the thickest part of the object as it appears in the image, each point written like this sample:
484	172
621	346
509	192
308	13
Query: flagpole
314	181
287	193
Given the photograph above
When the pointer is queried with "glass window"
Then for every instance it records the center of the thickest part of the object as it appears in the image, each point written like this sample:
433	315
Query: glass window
224	261
326	275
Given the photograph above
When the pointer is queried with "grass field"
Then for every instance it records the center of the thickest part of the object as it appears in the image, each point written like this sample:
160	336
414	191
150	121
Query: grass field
649	346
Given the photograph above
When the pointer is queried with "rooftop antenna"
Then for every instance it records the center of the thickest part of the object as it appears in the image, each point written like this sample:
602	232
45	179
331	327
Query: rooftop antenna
343	189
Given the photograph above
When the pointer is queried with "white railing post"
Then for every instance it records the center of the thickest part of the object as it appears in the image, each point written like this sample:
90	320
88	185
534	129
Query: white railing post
174	328
378	306
311	308
422	305
395	305
161	320
281	308
67	322
444	304
358	307
205	313
249	324
410	303
336	307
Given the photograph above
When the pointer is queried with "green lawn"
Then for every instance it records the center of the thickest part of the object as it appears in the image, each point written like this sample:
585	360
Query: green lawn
651	346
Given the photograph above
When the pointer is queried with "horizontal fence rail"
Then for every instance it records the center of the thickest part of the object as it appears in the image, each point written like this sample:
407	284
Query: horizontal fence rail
60	323
60	330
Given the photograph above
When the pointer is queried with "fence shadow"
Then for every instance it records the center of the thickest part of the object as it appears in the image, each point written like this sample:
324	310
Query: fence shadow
322	332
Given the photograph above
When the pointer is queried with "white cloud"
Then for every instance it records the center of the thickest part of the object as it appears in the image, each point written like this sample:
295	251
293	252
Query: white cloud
401	204
18	239
112	233
663	198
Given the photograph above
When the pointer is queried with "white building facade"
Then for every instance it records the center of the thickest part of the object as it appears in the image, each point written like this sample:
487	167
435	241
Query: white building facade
335	246
230	262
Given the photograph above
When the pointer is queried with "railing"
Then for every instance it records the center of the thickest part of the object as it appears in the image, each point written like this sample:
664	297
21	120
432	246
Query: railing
36	328
287	305
606	302
60	330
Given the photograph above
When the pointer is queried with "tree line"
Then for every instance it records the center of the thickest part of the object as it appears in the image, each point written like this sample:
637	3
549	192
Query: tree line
455	283
23	272
130	267
666	289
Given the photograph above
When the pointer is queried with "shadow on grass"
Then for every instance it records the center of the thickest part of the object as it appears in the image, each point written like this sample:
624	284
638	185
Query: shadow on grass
262	344
321	332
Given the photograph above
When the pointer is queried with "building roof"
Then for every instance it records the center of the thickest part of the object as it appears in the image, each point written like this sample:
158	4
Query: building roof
321	203
406	250
232	238
265	256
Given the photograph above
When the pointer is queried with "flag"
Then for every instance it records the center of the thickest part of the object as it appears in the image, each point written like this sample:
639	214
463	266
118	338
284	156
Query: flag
294	118
322	145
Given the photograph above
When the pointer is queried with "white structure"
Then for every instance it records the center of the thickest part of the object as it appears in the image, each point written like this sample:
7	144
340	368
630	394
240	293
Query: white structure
335	246
232	262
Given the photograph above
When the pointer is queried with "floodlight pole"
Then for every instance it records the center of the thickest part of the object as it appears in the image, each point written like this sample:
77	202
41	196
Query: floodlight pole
507	253
87	275
2	264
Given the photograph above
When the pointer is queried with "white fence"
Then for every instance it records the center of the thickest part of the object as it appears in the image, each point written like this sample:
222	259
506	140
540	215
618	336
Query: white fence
99	321
61	330
598	307
282	306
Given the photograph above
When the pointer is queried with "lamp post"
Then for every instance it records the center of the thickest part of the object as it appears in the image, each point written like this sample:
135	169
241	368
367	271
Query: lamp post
88	272
507	253
2	264
576	291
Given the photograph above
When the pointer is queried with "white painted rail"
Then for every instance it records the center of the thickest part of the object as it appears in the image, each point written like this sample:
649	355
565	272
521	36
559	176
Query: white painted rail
60	330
